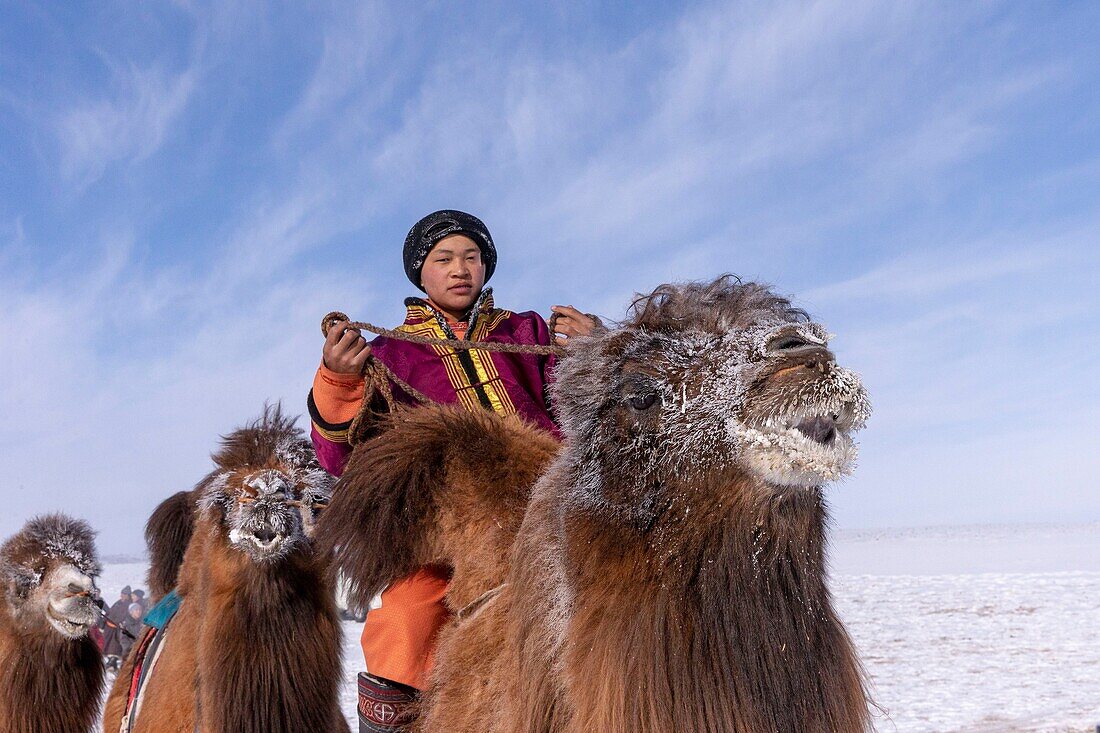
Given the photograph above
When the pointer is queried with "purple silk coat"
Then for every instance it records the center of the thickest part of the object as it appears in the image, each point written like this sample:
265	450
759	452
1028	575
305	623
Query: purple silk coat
504	383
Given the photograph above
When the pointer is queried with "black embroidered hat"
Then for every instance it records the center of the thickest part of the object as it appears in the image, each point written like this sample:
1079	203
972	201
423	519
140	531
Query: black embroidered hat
438	225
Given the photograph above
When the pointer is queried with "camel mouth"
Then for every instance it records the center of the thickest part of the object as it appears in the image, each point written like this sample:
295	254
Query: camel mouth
65	625
262	543
820	429
805	448
267	541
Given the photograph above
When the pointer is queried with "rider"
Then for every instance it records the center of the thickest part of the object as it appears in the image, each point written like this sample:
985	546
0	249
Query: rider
450	256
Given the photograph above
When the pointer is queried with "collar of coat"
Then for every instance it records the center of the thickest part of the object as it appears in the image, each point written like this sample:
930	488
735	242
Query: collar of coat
419	311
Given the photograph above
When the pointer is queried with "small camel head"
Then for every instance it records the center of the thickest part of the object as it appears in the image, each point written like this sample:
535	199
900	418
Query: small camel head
48	571
703	382
269	489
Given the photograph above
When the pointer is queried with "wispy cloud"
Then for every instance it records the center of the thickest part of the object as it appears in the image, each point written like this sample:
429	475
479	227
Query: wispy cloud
123	379
356	39
927	274
126	127
971	354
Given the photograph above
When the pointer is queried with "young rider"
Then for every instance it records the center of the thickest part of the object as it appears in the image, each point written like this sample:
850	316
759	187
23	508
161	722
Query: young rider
450	256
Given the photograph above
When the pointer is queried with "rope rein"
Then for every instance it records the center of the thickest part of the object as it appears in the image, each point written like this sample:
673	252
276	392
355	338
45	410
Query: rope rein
377	376
459	344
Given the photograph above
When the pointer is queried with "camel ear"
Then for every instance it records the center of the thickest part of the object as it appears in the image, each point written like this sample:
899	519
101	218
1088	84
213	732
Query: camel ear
18	580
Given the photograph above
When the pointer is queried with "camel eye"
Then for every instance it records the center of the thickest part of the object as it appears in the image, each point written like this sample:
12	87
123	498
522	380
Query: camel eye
643	401
788	342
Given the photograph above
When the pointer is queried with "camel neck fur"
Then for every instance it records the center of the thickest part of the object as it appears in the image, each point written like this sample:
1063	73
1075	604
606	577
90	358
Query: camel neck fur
64	693
682	618
270	635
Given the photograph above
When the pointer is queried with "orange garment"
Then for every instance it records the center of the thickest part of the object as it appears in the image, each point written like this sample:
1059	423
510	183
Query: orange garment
337	396
399	636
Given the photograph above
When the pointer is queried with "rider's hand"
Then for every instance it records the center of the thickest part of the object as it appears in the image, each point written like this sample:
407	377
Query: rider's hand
345	349
570	323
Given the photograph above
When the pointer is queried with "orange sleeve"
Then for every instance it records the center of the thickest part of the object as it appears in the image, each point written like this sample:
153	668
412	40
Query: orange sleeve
337	397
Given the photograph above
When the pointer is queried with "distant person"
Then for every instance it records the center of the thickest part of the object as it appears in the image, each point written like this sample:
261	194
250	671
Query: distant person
131	627
112	627
96	634
138	597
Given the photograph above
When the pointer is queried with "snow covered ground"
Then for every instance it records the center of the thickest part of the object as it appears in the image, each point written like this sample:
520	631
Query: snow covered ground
975	629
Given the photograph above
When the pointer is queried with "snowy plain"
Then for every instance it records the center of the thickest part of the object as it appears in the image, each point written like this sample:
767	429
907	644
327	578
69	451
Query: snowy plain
986	629
977	629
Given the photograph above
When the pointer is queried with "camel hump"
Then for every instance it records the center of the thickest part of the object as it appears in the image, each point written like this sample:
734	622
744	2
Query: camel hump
167	534
436	485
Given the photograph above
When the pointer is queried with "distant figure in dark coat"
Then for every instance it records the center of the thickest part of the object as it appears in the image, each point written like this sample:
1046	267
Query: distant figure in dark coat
138	597
116	615
131	627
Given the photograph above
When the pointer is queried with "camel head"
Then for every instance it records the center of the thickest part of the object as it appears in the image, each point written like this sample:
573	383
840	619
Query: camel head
268	490
703	384
48	571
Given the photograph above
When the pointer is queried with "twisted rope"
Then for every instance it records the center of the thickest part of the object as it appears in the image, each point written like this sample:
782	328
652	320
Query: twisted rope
377	376
459	344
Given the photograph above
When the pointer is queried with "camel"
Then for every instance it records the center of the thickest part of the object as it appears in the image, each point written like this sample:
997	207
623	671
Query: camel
664	570
255	644
51	673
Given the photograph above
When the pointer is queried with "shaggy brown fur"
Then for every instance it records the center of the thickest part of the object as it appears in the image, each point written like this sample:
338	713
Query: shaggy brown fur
50	682
491	478
668	573
167	534
255	646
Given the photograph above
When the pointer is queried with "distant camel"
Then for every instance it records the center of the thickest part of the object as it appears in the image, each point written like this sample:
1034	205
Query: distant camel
666	572
51	673
255	645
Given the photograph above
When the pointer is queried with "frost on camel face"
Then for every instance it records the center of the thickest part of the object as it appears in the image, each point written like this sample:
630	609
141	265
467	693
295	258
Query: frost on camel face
700	386
49	571
269	509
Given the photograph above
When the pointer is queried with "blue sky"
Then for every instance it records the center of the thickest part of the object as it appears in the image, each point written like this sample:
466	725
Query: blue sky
186	188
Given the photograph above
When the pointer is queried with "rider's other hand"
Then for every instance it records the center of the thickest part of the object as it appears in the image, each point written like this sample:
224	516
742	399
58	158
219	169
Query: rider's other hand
570	323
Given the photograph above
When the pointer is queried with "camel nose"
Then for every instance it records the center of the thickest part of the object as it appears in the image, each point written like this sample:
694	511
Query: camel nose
266	535
822	360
